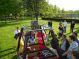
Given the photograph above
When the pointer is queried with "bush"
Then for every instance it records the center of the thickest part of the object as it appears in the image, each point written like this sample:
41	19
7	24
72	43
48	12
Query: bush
61	19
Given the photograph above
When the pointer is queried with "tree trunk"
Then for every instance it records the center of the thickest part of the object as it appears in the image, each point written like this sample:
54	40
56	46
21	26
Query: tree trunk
36	16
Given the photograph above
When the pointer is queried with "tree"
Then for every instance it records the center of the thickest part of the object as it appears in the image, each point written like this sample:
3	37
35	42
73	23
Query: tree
34	7
8	7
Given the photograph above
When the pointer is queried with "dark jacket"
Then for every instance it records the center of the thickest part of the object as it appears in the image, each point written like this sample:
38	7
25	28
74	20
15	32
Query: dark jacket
50	24
54	42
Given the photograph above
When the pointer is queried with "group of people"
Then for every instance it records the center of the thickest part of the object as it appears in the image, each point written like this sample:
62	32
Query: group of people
62	26
66	50
28	38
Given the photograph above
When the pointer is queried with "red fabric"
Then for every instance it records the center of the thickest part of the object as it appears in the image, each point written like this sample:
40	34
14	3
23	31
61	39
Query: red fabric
40	41
41	46
30	57
39	36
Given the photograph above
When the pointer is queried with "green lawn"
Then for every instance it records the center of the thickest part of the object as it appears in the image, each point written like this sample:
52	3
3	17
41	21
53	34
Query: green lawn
8	43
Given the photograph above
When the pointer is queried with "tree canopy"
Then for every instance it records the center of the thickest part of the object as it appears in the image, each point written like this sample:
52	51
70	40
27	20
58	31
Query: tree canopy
8	7
32	8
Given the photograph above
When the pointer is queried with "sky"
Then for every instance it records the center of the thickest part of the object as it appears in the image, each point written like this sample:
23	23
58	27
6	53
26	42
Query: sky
66	4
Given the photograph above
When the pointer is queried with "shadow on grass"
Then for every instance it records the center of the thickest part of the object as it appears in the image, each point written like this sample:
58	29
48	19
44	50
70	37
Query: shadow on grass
15	57
7	50
3	55
7	54
2	24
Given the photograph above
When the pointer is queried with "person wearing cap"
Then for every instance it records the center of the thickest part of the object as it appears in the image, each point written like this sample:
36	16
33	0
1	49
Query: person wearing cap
73	47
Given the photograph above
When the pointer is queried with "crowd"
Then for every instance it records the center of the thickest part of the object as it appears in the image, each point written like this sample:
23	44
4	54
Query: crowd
67	50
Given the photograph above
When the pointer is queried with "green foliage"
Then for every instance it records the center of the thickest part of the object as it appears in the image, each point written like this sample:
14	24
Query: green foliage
34	7
7	40
77	11
8	7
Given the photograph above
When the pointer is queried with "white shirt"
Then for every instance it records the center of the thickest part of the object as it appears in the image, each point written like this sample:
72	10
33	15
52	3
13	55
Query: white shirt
32	40
65	23
16	32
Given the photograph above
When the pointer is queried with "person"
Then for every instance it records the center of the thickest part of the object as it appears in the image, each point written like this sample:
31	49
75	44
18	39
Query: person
60	30
16	33
50	25
72	26
75	54
31	38
45	35
75	35
54	42
47	39
20	45
65	43
55	45
65	25
43	27
73	47
64	46
40	36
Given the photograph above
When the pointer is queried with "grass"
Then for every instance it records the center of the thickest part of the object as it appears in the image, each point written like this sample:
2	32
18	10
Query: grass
7	41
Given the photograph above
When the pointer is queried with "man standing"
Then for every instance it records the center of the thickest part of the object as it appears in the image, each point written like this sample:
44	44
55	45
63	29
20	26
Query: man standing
72	26
50	25
65	24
